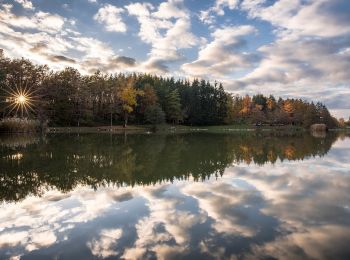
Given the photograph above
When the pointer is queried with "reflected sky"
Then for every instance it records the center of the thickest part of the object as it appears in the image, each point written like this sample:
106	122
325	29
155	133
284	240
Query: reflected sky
286	209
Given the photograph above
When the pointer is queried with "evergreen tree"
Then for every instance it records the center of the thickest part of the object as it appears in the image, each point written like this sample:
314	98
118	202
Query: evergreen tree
173	107
154	115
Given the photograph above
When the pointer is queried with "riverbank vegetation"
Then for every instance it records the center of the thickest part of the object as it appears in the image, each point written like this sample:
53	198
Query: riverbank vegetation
20	125
68	98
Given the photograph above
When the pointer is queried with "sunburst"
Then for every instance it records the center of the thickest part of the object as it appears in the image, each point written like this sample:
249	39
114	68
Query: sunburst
20	100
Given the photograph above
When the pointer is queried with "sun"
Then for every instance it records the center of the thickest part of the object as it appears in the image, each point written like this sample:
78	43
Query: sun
20	100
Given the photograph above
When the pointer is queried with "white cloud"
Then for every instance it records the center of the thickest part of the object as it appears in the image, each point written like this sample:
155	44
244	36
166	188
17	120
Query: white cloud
27	4
164	224
171	9
110	16
222	55
139	10
167	29
208	16
56	42
219	203
104	244
42	21
13	239
315	242
306	18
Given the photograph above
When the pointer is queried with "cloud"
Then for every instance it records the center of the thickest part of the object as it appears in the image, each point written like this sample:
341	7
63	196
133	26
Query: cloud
222	55
103	246
55	44
208	16
316	243
219	203
42	36
121	197
167	29
61	58
110	16
12	239
321	18
111	64
171	9
139	10
123	60
42	21
306	60
25	4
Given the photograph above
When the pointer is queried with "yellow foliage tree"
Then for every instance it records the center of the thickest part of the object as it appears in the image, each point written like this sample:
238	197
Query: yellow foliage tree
288	107
271	104
127	97
246	108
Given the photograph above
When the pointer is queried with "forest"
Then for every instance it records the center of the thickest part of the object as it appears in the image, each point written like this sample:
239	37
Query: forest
68	98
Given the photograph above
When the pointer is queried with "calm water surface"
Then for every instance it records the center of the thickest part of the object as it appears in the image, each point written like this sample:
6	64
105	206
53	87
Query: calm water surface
188	196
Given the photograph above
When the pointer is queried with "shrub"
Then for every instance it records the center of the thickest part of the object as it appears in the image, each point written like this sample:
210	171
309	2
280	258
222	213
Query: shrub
20	125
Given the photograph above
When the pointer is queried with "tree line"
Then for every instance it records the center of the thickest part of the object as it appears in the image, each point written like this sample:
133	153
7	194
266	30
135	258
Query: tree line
68	98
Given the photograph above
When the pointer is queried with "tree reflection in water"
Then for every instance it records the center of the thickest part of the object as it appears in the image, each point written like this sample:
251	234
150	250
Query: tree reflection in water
32	165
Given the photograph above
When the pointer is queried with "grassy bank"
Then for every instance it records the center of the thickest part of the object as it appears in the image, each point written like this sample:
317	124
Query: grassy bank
174	128
20	125
97	129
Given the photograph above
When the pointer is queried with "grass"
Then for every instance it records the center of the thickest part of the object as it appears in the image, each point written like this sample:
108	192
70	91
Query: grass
19	125
96	129
168	128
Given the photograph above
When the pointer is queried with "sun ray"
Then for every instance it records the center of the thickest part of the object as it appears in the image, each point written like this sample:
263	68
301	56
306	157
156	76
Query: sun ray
21	99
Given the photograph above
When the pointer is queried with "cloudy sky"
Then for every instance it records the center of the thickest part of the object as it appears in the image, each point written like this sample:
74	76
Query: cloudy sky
289	48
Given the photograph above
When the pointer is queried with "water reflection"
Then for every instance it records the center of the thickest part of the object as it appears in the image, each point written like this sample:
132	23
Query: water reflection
285	208
65	161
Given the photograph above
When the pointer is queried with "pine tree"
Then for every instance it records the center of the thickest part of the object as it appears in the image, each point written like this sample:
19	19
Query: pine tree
154	115
173	107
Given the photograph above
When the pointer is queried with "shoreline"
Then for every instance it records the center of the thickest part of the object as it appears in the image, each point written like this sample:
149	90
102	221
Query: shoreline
177	129
172	129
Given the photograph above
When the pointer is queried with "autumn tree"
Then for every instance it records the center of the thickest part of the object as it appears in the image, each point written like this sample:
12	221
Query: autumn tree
246	106
271	103
127	98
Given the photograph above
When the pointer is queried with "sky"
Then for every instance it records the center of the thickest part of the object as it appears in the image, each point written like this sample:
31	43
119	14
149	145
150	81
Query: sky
288	48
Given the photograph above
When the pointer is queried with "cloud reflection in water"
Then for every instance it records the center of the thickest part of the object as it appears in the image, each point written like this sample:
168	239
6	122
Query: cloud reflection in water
289	210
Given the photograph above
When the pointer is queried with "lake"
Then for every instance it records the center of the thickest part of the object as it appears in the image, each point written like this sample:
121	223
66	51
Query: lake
175	196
